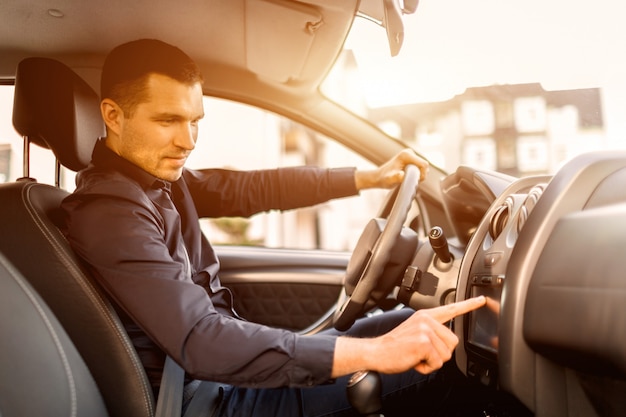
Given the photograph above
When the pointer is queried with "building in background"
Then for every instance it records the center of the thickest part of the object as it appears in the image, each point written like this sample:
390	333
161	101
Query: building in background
518	129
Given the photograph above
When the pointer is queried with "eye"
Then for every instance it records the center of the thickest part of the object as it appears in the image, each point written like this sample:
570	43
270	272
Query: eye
165	121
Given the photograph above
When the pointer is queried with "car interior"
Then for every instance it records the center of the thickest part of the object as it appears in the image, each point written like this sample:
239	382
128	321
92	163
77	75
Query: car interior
546	250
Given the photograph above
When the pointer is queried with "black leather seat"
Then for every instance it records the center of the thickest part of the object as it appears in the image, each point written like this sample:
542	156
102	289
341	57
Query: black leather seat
42	373
56	109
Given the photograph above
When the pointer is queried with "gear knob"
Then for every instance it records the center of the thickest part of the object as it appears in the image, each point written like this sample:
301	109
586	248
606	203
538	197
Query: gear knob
364	393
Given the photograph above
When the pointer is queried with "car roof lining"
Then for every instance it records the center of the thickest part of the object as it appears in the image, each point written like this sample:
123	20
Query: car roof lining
305	39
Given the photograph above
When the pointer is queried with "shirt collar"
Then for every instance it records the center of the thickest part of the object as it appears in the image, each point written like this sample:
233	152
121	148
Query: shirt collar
103	157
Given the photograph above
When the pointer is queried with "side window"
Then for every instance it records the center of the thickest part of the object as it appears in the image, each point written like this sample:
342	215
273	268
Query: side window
9	139
233	135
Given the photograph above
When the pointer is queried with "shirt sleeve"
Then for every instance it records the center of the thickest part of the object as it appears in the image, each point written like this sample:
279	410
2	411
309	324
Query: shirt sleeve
219	192
119	234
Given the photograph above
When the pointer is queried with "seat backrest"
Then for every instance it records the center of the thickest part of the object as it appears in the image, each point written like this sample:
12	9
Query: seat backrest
56	109
41	368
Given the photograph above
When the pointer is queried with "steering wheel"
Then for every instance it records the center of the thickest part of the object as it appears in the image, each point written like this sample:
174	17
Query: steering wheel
365	282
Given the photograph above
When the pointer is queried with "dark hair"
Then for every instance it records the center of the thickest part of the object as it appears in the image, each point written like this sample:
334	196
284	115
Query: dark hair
127	67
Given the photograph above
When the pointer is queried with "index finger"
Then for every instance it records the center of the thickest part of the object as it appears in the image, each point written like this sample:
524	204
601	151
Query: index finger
448	312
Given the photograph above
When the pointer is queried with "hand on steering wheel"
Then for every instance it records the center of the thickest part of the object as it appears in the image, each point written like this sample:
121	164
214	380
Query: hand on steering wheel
365	281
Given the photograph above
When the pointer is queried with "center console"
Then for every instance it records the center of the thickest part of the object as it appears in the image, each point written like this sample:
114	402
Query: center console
483	272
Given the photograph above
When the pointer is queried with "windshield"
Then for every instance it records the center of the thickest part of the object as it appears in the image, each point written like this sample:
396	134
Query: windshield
518	87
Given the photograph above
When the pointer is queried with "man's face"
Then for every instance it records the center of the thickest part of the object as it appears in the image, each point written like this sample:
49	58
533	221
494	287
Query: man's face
162	131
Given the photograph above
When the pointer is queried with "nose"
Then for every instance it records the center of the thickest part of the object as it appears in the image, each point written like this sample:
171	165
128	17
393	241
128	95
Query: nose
186	138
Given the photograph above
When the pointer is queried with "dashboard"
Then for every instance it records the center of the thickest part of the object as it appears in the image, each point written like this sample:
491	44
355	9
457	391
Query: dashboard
548	254
484	272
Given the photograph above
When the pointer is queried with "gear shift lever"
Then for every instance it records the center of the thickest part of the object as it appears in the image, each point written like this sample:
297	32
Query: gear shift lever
364	393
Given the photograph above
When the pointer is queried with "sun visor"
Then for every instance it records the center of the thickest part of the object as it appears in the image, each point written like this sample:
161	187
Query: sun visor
279	36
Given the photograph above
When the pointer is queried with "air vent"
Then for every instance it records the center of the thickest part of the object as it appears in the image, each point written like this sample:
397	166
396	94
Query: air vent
529	205
500	218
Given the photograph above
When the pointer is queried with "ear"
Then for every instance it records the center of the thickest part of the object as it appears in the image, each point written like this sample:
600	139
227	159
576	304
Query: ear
113	115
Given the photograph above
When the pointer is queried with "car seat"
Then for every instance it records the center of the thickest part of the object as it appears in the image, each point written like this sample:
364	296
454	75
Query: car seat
42	373
54	108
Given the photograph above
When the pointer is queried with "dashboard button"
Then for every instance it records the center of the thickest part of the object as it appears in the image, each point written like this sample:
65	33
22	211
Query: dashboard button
492	258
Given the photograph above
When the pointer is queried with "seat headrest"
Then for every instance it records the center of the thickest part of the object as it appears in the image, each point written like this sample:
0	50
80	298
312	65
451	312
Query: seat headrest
58	110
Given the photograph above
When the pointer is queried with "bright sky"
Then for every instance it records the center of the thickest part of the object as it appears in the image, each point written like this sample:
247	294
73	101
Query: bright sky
450	45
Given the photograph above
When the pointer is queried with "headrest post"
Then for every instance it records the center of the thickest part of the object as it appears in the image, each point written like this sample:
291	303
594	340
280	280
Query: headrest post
57	173
26	158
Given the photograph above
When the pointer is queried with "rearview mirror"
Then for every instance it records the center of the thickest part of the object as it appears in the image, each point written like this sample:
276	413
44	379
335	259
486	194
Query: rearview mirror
393	24
388	14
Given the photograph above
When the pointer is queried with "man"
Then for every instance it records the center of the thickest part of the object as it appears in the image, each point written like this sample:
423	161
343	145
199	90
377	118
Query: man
134	219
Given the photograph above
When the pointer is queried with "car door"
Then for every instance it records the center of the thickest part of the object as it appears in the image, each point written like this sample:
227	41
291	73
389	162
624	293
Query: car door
291	289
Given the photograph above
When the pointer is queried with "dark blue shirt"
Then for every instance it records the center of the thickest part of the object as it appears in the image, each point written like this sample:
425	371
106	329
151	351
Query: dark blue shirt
162	272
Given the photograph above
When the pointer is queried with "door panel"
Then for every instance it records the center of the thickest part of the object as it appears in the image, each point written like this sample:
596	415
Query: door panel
291	289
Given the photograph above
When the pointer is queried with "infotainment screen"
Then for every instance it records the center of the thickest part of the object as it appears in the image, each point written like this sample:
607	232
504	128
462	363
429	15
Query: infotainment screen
483	323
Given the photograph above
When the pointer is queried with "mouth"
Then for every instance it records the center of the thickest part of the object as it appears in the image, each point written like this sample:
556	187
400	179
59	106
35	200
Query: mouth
177	160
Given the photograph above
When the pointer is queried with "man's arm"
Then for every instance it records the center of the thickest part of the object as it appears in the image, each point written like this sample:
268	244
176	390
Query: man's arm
391	172
220	192
422	342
